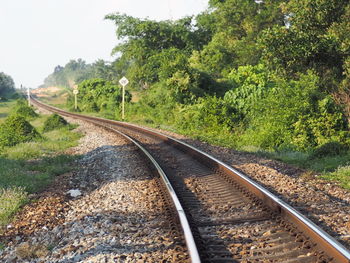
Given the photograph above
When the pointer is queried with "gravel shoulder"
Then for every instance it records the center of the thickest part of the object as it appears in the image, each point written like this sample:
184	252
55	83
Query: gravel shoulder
116	212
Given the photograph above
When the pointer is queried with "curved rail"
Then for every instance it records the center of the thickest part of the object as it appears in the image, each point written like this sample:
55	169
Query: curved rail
324	241
191	245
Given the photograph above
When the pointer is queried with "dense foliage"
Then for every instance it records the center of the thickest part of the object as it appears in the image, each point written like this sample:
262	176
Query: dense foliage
7	86
97	95
267	73
16	129
271	74
23	109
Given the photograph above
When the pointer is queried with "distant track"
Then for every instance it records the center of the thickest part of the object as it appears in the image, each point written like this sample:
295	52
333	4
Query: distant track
225	216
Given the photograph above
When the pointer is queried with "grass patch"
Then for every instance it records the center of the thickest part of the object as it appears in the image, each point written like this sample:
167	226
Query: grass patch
11	199
333	168
53	141
33	176
341	175
29	167
308	161
5	109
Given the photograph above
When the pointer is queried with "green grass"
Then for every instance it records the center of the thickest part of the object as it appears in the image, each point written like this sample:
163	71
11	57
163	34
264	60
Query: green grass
11	199
32	176
332	168
29	167
5	108
341	175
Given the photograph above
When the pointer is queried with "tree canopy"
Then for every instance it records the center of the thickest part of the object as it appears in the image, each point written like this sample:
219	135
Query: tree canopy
274	74
7	85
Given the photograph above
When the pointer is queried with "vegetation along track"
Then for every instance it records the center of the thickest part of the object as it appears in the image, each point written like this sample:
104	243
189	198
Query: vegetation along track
232	218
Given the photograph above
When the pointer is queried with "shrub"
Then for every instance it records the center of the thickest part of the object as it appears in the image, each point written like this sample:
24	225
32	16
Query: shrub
22	108
296	115
98	94
249	85
21	102
26	111
329	149
341	174
15	130
54	121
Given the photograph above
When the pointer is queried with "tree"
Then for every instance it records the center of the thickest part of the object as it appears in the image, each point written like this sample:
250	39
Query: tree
234	26
7	85
98	95
143	38
315	38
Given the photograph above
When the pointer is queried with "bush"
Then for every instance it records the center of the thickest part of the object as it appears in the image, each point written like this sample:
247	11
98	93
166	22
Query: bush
341	174
15	96
295	115
329	149
249	85
15	130
24	110
98	95
53	122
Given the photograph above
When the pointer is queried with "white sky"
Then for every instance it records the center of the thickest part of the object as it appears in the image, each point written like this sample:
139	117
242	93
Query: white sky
37	35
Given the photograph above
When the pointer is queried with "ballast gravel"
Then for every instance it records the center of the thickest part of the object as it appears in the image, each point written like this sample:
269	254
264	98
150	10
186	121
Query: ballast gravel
326	203
120	215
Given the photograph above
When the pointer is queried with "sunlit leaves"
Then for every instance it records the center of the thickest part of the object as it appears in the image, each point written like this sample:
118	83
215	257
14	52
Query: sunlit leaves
316	38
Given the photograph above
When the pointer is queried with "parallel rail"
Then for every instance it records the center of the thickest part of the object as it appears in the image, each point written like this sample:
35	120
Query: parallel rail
324	242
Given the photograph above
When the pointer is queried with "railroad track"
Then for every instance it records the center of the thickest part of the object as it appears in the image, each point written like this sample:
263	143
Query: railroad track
225	216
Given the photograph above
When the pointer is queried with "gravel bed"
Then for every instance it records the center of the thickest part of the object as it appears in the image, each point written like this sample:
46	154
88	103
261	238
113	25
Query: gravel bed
117	216
324	202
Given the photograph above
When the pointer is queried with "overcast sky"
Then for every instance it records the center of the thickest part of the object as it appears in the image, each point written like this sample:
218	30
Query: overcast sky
37	35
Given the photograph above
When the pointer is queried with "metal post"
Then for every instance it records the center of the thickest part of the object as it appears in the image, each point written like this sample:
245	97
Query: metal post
75	92
123	81
75	102
123	102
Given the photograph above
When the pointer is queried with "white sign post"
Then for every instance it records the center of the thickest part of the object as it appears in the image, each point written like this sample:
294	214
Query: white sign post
28	93
123	81
75	92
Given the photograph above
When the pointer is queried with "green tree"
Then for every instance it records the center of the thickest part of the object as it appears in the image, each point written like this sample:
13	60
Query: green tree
98	95
249	85
7	85
295	114
314	38
234	26
73	72
143	38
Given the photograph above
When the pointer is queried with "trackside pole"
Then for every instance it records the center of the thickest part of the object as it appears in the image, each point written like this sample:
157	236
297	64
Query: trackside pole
123	81
123	103
28	94
75	92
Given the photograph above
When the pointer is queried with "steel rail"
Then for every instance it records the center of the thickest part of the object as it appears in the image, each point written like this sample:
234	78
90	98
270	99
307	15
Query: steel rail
190	242
323	240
